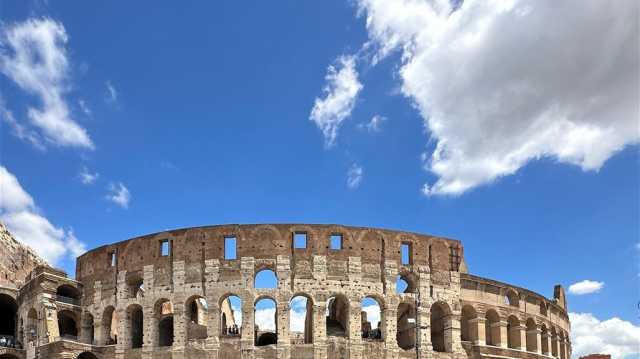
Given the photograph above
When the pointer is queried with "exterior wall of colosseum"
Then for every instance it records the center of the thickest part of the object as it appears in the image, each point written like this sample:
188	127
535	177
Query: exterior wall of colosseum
164	295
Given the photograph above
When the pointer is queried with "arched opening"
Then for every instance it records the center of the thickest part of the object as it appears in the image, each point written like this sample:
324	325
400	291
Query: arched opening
197	309
532	335
492	328
164	319
371	319
406	283
511	298
554	342
562	345
135	285
266	279
31	329
8	314
406	327
543	308
67	325
87	355
468	327
135	319
265	322
301	320
109	326
337	316
87	328
439	317
8	356
513	332
68	294
544	334
231	316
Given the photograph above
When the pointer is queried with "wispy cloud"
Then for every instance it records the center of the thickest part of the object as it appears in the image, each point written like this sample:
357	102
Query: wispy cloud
18	130
84	107
33	54
585	287
119	194
86	177
341	91
112	93
25	221
354	176
374	125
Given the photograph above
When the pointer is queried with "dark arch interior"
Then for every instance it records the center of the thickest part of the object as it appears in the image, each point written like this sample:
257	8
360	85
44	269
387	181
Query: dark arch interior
338	317
68	291
437	328
165	327
267	339
8	310
8	356
67	324
87	355
136	328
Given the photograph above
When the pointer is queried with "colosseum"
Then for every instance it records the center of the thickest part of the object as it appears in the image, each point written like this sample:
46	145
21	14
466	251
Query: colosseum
193	293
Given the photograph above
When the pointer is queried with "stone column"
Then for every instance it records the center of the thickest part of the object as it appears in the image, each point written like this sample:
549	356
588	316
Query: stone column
545	342
504	333
477	331
319	330
522	331
536	333
179	326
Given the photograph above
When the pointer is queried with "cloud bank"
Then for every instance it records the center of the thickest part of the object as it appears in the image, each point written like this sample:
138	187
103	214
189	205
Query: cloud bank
612	336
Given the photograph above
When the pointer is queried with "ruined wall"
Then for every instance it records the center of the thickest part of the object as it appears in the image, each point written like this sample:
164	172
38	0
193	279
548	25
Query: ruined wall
16	260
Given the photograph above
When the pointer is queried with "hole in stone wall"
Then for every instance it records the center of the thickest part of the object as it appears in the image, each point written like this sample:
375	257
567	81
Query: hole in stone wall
231	316
335	242
67	325
370	316
301	320
337	321
109	326
299	240
266	279
265	322
438	318
405	253
406	326
164	317
8	310
197	313
135	320
165	248
230	247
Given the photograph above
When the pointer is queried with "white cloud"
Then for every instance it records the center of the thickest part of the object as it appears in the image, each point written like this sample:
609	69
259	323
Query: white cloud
33	55
18	129
23	219
354	176
585	287
341	91
297	314
119	194
498	85
265	319
374	125
112	93
84	107
612	336
86	177
373	315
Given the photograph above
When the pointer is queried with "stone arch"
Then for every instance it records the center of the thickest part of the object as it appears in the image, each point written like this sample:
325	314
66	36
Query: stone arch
468	327
337	322
513	332
544	334
492	328
8	315
440	327
265	278
68	324
372	319
296	304
87	328
135	284
163	315
406	326
196	314
511	298
134	326
532	335
32	328
265	330
229	324
87	355
109	326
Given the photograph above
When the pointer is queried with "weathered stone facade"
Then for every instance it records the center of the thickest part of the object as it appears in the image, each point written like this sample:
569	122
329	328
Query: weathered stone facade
166	295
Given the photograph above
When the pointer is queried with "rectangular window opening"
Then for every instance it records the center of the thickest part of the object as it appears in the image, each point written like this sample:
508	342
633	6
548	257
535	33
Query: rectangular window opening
165	248
336	242
230	247
112	258
405	253
299	240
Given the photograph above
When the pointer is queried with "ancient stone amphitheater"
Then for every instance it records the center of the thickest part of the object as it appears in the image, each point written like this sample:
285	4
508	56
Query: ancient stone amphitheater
191	293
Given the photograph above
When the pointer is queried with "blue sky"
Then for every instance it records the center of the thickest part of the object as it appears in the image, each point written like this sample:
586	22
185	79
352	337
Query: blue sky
333	112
